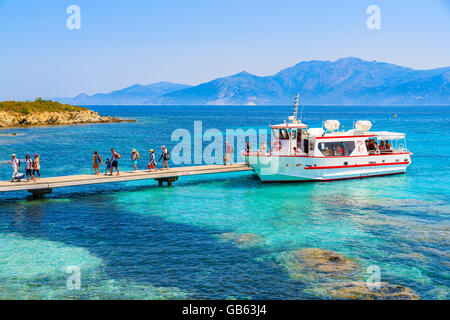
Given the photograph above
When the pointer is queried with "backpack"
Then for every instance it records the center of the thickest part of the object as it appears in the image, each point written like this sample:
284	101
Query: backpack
19	176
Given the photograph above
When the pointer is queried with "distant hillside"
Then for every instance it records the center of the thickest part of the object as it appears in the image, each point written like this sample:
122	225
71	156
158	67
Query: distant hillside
133	95
345	81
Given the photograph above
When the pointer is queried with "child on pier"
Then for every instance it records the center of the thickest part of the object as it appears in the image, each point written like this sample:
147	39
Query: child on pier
108	166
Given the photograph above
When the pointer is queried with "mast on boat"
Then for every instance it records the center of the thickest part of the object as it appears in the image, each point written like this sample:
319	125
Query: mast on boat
294	117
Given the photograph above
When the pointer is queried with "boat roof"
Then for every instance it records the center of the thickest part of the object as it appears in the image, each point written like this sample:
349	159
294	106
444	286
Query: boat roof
341	134
382	135
291	125
320	133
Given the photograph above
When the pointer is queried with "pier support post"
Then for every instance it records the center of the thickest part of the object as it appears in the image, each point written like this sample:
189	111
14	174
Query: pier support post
168	180
40	193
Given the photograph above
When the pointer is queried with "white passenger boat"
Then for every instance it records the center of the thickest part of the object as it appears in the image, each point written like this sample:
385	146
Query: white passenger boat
299	153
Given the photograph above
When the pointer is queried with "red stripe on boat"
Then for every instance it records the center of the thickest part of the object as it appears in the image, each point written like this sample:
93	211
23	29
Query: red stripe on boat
358	165
338	137
329	157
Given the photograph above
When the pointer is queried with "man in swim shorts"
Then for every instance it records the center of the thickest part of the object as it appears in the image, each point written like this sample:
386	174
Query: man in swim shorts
115	161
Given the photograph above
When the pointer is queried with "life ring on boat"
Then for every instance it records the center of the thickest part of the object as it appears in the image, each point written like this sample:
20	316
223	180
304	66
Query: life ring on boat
359	145
276	145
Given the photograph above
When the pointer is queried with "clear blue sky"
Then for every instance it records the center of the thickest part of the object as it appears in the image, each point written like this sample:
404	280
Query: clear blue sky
126	42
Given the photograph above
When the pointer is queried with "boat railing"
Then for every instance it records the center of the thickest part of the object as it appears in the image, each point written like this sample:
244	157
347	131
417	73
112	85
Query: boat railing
388	151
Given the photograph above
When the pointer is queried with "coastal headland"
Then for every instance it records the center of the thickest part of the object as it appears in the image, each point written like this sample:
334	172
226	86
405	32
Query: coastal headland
45	112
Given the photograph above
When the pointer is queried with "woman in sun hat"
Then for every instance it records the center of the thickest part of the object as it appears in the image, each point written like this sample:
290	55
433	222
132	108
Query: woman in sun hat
165	156
135	158
152	163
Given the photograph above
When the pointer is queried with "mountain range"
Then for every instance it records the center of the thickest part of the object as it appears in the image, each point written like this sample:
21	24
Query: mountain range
347	81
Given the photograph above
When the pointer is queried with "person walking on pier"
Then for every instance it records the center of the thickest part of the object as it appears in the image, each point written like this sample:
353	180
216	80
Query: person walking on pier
152	162
115	161
228	151
165	156
37	166
97	160
262	147
15	163
135	158
108	166
28	168
247	147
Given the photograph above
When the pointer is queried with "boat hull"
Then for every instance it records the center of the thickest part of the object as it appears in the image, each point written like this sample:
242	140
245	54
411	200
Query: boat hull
279	168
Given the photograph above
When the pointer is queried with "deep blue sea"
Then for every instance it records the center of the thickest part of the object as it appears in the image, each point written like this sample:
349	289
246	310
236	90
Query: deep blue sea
139	241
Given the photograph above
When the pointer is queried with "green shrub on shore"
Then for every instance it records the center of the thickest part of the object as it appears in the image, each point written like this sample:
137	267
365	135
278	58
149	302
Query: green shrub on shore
39	105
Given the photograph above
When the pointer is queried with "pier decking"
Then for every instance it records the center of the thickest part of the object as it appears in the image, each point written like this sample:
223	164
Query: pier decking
45	185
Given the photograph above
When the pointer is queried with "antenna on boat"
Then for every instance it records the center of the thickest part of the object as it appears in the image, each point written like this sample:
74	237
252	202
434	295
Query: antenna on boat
294	117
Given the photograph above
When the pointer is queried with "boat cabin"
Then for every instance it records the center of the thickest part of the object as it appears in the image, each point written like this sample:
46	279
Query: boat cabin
295	139
290	138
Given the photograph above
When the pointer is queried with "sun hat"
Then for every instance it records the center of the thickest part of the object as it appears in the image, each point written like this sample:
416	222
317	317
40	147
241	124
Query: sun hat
35	155
151	150
134	150
13	155
163	147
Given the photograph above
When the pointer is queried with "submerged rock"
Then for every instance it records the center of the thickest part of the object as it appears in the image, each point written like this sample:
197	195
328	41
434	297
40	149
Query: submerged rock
242	240
311	263
326	260
359	290
411	256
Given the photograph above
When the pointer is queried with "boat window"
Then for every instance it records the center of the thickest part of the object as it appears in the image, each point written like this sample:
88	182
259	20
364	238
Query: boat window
326	148
340	148
306	146
276	133
294	134
311	145
349	146
283	135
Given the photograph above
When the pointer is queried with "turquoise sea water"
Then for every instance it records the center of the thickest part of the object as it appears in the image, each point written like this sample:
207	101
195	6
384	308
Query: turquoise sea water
138	241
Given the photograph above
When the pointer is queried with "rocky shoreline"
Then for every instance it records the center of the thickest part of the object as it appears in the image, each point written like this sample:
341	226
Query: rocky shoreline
43	118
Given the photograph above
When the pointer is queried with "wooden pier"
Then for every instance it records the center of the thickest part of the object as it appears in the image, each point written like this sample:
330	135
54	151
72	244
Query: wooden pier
46	185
